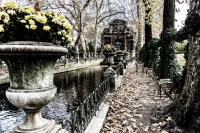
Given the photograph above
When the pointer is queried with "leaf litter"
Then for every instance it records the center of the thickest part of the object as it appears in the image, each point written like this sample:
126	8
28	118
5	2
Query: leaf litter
133	104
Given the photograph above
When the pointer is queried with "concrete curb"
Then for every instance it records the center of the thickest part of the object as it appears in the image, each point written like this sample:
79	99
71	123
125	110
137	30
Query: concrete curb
97	121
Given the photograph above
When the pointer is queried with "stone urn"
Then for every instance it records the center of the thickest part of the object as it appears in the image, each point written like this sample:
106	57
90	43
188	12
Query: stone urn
120	57
125	56
109	58
31	70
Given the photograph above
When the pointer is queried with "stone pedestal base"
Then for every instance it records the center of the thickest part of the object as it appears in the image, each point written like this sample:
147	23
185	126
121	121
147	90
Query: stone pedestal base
50	127
112	74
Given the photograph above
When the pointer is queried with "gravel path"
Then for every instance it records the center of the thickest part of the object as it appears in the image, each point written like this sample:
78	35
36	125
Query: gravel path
131	108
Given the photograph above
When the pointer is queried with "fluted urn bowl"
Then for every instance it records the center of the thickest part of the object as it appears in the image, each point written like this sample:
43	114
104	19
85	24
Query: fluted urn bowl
120	57
31	70
109	58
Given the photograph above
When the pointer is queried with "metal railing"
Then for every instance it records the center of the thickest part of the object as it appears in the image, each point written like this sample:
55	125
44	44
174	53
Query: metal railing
82	115
117	72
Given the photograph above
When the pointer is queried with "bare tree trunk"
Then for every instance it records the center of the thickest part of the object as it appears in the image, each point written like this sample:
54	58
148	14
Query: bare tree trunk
96	29
95	40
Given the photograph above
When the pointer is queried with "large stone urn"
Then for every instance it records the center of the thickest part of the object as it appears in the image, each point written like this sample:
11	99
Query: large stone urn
31	70
119	58
109	58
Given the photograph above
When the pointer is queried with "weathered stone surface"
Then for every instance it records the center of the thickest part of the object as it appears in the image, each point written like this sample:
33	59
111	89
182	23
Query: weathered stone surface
30	66
109	58
112	74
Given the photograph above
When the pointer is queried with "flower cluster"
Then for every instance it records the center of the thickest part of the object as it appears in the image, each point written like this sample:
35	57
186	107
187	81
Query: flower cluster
108	48
25	23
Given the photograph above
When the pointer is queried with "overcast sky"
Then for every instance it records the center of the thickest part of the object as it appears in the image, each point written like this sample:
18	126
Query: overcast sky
181	16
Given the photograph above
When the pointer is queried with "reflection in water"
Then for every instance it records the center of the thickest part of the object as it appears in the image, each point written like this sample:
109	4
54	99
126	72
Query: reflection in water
73	88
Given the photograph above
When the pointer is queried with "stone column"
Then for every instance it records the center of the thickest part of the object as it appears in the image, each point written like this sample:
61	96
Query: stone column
112	74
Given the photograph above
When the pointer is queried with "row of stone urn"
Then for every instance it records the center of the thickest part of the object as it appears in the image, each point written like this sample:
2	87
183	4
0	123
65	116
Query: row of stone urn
85	56
31	70
121	62
113	58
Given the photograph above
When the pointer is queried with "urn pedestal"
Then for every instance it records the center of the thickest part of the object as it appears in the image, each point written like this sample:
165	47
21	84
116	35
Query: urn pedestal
31	70
110	72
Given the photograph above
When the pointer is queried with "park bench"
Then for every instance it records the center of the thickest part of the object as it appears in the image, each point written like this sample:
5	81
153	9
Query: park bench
166	85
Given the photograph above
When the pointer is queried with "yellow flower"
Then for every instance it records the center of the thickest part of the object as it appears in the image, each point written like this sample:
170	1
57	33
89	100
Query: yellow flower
31	22
63	38
41	19
4	17
72	43
11	4
59	33
27	26
33	27
67	36
29	10
11	12
42	13
69	39
61	16
21	9
5	21
59	23
1	28
64	32
48	13
28	17
23	21
67	26
55	20
46	28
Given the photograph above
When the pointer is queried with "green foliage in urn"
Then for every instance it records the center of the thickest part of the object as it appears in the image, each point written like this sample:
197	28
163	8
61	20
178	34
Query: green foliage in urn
26	24
108	48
